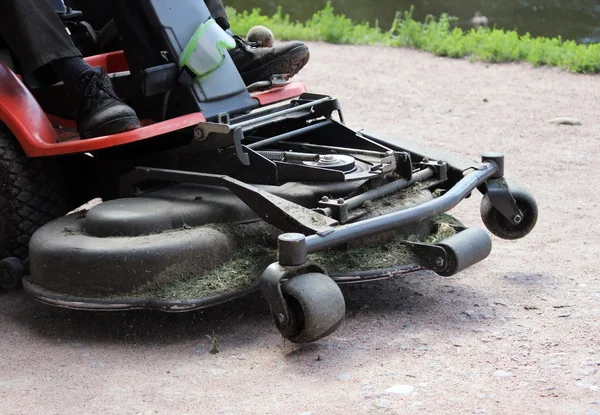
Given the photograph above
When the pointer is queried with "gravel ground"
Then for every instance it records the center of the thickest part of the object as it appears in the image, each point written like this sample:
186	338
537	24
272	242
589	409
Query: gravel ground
517	333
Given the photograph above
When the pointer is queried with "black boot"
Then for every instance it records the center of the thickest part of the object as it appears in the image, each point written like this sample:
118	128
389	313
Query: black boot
101	112
257	63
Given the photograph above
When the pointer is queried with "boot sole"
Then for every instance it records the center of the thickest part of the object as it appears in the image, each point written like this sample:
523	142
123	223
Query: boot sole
118	125
289	63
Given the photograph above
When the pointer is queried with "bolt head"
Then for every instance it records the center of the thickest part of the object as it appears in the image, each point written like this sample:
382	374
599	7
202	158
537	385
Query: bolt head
518	219
340	201
325	199
439	262
281	318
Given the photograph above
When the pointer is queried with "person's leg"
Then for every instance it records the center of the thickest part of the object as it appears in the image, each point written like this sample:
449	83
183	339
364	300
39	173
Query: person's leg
37	37
35	34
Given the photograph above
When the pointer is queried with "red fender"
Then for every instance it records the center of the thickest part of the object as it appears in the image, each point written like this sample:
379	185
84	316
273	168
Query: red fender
21	113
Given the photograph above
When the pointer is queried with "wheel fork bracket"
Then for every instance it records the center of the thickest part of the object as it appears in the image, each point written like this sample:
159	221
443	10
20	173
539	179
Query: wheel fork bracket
270	285
500	197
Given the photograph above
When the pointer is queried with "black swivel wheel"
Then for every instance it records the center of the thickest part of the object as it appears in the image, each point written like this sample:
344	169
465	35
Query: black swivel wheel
316	307
500	226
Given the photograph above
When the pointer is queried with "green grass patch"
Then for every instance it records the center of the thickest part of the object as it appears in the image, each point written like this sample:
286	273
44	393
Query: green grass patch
435	35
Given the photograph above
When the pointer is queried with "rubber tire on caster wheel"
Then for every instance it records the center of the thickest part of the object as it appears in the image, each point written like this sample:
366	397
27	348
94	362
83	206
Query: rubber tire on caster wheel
316	307
500	226
11	273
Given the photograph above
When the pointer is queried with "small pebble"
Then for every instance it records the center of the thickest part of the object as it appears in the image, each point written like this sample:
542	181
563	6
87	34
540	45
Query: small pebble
401	389
343	376
565	121
501	373
588	386
415	405
589	371
383	403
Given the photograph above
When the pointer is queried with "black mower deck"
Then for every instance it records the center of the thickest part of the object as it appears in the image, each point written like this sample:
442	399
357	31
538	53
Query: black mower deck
189	267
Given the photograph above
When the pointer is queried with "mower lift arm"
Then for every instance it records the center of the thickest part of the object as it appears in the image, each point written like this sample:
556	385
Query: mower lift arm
275	210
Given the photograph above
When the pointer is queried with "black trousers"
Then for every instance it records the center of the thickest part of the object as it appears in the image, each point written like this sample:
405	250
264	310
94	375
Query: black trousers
37	37
34	33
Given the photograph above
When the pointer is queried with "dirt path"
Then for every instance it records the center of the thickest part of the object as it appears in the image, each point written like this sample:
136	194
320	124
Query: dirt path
518	333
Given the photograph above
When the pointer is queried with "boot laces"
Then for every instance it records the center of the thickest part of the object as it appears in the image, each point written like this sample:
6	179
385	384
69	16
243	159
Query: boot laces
97	84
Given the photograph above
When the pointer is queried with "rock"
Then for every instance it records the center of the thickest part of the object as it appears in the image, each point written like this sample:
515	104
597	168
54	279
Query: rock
261	34
589	386
502	373
564	121
383	403
343	376
401	389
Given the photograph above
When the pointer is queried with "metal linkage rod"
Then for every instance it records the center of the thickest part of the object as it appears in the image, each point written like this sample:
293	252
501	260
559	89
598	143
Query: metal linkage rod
389	188
291	134
380	224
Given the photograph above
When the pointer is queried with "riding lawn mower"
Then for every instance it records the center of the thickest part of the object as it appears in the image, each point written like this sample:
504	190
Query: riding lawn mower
226	189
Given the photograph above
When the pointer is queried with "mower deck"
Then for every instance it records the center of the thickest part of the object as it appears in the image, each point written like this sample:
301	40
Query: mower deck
176	253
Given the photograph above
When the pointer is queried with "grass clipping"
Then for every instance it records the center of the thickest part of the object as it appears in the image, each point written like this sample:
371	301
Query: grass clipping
255	249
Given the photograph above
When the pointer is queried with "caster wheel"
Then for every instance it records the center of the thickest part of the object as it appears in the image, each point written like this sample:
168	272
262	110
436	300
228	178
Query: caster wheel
316	308
500	226
11	273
